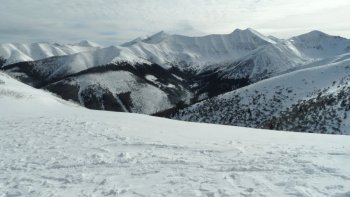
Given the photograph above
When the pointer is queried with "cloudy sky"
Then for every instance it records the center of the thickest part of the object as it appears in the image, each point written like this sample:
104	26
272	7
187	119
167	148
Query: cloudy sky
116	21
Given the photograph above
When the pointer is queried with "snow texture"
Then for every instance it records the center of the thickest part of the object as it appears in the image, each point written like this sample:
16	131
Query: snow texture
50	147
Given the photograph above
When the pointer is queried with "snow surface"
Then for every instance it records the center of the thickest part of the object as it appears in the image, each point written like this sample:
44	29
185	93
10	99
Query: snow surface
50	147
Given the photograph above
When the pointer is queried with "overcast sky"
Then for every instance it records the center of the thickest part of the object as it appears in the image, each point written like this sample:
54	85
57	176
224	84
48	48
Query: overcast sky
117	21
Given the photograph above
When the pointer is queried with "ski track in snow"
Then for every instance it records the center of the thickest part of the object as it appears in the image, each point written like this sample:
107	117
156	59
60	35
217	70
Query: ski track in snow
75	156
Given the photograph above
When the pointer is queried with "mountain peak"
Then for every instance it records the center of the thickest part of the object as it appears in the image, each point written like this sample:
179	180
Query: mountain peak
316	35
250	34
247	30
157	37
160	33
87	43
134	41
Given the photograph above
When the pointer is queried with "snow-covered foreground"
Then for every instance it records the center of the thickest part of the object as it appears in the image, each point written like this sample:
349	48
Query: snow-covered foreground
50	147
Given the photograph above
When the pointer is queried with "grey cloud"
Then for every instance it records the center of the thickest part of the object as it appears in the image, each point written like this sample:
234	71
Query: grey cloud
118	21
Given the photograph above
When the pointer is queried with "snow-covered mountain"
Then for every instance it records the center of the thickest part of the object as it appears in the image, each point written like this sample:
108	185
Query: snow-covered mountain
247	47
239	55
162	73
319	45
11	53
266	62
272	60
285	55
313	99
194	52
51	147
162	49
262	63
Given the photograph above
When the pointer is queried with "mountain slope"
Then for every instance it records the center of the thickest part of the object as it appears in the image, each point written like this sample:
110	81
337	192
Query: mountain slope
266	62
319	45
50	147
256	104
327	112
15	52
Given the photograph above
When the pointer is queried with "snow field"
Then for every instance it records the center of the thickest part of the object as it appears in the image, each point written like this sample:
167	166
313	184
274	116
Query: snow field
55	148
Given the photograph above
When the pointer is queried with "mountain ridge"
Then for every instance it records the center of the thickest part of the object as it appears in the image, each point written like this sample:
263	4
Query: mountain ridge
20	52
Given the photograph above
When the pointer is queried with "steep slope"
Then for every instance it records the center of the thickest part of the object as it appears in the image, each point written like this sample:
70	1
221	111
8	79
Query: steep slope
256	104
15	52
50	147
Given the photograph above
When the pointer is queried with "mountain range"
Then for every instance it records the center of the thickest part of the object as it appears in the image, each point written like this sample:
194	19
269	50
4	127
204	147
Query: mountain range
243	78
